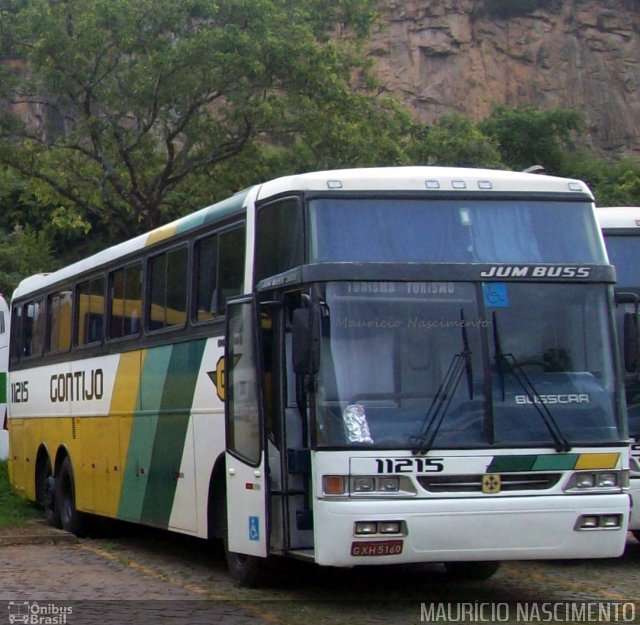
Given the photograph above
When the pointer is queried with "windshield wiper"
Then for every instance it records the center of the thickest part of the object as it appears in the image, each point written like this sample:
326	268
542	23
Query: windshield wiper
444	395
509	363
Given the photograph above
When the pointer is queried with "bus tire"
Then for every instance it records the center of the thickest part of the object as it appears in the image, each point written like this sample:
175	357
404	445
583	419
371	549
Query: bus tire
246	571
46	489
471	570
636	534
72	521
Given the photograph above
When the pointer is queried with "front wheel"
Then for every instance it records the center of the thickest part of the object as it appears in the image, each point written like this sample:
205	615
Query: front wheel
72	521
246	571
471	570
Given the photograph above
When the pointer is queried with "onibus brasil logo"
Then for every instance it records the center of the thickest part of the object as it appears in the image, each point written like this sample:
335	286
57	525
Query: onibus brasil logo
34	613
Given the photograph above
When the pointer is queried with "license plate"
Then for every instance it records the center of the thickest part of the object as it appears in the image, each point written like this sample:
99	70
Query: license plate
377	548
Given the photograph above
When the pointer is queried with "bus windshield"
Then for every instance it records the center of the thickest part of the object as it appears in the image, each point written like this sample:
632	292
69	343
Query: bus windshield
462	365
624	253
452	230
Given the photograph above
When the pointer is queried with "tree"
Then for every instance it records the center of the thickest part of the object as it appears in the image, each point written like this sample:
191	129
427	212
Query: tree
614	183
454	141
133	100
527	136
23	252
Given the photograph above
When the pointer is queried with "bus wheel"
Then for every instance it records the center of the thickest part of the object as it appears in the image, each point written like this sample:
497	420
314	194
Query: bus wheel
636	533
51	511
471	570
246	571
47	490
71	520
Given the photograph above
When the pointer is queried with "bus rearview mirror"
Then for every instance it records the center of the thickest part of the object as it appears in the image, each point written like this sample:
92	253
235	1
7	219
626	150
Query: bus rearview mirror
631	342
306	334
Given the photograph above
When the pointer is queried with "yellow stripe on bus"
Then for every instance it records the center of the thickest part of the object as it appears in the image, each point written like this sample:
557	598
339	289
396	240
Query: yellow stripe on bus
597	461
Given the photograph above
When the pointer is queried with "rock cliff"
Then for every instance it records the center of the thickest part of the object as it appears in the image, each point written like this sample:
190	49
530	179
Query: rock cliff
460	56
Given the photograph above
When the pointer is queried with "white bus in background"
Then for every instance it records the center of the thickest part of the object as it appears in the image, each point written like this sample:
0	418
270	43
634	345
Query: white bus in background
621	230
4	364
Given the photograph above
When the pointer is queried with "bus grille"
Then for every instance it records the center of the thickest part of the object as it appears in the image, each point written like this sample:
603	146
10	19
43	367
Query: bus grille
473	483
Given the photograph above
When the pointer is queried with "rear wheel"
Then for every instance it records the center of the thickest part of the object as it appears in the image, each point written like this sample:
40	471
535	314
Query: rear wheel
471	570
46	494
72	521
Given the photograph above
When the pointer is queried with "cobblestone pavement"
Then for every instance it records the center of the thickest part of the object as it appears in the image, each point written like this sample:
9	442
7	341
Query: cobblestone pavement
143	576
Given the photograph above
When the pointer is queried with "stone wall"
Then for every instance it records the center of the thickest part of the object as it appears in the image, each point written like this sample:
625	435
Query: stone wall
450	56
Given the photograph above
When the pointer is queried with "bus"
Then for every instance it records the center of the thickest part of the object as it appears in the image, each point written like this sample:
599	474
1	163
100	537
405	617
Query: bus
351	367
4	367
621	229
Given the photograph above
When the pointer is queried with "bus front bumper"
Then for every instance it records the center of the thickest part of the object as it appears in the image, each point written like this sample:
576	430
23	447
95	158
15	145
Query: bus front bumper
473	529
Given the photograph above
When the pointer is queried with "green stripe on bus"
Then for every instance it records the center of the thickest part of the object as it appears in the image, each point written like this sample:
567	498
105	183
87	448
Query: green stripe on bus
143	433
3	388
220	210
168	447
543	462
561	462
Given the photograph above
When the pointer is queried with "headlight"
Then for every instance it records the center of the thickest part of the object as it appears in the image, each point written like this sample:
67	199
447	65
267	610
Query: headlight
607	480
363	484
585	481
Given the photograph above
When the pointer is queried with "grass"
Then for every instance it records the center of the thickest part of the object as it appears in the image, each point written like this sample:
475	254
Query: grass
14	510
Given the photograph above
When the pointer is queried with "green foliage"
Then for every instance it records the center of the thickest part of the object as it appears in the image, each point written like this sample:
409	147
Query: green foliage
23	252
13	509
454	140
527	136
613	183
138	96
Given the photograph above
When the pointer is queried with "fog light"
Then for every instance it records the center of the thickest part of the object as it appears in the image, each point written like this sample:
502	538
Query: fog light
610	520
389	527
588	522
389	484
364	484
366	527
607	480
585	480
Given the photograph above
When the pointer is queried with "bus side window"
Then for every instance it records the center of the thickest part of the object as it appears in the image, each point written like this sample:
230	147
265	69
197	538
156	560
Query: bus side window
219	272
90	313
168	279
125	301
16	349
231	265
206	296
34	328
59	319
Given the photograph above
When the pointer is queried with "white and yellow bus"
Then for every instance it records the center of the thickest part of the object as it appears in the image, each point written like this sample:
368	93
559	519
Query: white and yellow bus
621	229
357	367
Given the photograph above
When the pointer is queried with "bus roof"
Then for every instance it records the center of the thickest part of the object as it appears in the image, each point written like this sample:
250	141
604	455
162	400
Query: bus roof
618	216
420	178
417	178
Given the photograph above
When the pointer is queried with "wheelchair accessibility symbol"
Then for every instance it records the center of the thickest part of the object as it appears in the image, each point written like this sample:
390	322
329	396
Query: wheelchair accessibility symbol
495	295
254	528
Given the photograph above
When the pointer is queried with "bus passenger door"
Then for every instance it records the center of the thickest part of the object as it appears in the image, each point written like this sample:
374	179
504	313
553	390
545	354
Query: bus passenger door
245	448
